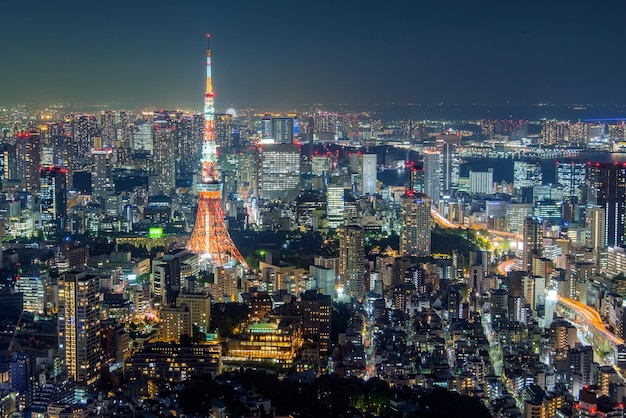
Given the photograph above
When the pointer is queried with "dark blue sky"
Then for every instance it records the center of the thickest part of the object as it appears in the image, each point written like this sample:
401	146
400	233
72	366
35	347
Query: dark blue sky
277	54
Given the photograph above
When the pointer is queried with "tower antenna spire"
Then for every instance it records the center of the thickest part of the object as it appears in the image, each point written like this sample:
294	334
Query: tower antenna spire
210	238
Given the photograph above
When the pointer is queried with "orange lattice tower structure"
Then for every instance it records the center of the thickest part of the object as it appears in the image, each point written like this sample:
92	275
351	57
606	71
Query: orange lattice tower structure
210	238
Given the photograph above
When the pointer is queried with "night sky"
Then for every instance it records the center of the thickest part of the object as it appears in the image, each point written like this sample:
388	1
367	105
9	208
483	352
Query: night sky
278	54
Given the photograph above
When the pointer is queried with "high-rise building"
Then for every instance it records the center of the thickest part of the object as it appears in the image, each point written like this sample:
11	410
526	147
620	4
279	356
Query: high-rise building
416	180
101	172
526	174
335	205
210	238
8	162
108	128
316	318
33	287
224	130
432	175
53	199
481	182
450	162
416	224
22	375
595	228
281	129
368	174
280	172
351	261
571	176
532	241
607	190
28	155
163	176
199	305
174	322
80	336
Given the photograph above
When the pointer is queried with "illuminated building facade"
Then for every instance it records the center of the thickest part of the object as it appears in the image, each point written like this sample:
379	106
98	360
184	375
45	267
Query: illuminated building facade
416	224
53	199
351	261
79	338
210	238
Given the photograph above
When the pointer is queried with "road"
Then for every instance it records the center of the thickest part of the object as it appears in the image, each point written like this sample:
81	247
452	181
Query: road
443	221
506	266
591	316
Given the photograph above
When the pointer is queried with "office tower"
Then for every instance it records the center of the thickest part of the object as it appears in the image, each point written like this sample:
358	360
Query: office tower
199	305
532	241
174	323
224	130
101	172
368	174
8	162
324	280
22	378
335	205
83	129
481	182
28	155
553	132
53	199
571	176
607	190
125	130
416	223
595	228
188	140
142	136
280	172
450	162
526	174
210	239
432	175
80	337
416	179
351	261
325	125
310	129
163	175
33	286
282	130
108	128
579	360
316	318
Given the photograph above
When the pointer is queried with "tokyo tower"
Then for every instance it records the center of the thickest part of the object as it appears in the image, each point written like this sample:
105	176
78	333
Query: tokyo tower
210	238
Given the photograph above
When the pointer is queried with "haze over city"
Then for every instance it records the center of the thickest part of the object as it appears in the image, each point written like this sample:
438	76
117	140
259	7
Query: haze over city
285	54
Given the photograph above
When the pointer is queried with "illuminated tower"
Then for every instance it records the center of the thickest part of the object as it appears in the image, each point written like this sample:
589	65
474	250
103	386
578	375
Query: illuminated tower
210	238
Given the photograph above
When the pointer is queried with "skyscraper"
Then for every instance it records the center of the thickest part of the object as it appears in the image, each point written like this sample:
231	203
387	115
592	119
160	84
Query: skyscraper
28	155
282	130
450	162
210	239
571	176
80	339
532	240
416	222
53	199
224	130
368	174
280	172
335	205
432	175
351	261
163	176
526	174
607	189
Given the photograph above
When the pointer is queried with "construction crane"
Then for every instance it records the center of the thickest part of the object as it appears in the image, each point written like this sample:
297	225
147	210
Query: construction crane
17	327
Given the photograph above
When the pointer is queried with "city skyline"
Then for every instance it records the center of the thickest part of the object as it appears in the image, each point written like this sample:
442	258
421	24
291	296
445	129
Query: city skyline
288	55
